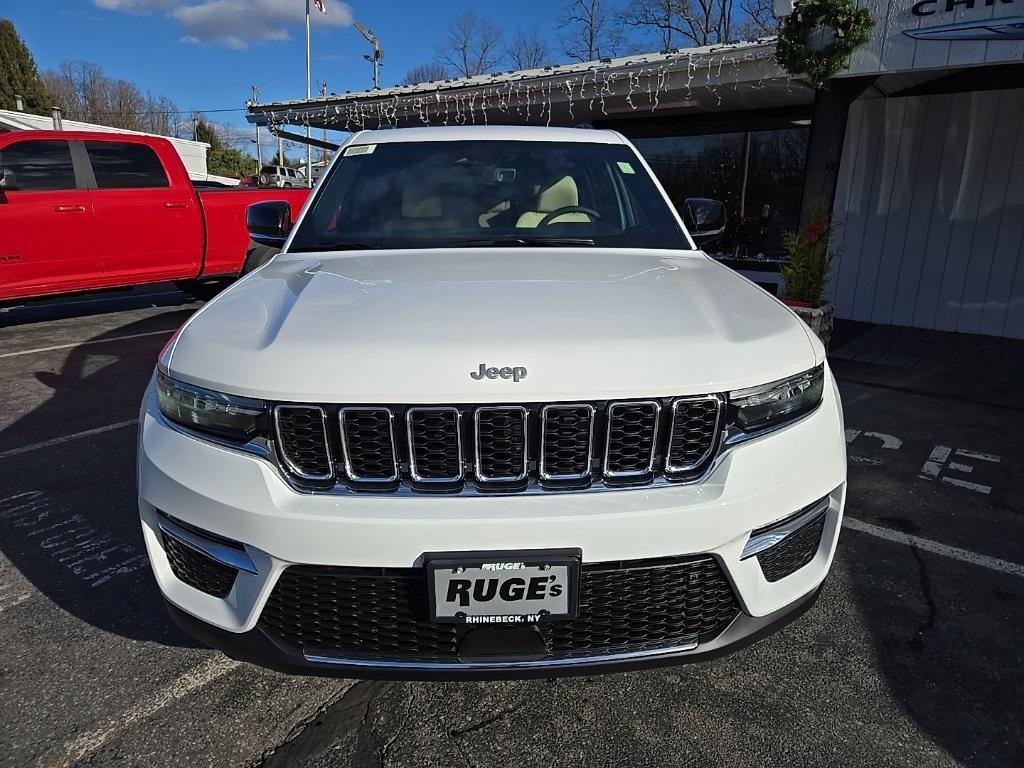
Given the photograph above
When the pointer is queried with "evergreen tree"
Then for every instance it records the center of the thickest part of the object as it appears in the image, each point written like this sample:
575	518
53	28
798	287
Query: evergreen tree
18	74
221	158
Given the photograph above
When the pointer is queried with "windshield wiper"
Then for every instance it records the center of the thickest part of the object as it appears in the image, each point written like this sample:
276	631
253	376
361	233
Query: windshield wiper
519	240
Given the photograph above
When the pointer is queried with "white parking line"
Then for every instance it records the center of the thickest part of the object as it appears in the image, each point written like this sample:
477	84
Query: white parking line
195	678
86	343
964	555
58	440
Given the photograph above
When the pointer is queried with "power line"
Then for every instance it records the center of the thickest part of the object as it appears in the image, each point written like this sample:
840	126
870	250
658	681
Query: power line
166	111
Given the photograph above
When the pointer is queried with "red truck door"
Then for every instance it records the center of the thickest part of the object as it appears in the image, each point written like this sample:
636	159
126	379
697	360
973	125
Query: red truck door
149	229
48	240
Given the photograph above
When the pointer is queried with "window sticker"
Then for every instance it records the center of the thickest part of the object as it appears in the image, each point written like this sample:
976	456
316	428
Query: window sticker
360	149
625	167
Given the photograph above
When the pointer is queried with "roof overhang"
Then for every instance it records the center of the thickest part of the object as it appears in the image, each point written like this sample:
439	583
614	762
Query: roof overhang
694	81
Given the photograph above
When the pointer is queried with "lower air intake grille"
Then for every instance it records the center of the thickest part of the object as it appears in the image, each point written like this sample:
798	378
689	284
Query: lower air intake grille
196	569
793	553
382	613
301	431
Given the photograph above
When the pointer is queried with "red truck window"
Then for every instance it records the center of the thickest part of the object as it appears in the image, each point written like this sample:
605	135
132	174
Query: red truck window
120	165
39	165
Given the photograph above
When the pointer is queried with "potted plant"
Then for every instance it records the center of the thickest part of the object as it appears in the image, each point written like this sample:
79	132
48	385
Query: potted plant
809	260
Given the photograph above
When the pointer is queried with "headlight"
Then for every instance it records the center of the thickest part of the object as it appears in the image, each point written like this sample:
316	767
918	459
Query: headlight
773	404
236	418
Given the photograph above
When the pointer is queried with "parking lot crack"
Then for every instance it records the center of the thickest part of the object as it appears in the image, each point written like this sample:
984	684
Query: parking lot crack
347	713
383	755
500	715
917	641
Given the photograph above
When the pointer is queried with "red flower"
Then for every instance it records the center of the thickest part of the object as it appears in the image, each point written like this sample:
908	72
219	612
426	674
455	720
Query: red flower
812	232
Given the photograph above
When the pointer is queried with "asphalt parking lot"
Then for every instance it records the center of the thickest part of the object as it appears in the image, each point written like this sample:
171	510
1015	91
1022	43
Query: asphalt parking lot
911	657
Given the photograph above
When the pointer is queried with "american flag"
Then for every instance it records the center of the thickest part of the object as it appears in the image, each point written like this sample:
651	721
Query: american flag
320	6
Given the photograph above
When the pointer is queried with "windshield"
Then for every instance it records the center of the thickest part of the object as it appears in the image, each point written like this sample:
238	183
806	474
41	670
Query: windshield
478	193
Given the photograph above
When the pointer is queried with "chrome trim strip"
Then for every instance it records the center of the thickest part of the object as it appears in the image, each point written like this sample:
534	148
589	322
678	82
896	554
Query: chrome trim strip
719	416
412	452
619	474
316	658
525	414
775	535
344	445
292	467
545	475
225	555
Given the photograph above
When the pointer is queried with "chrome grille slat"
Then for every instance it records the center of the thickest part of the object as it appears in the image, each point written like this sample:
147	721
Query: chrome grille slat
501	438
696	426
631	442
435	444
368	444
302	436
567	442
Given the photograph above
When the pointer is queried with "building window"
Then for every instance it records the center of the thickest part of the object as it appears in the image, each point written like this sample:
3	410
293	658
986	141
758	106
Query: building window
757	174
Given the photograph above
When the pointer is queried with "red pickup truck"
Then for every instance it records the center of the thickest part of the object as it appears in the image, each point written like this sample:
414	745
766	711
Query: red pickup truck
84	211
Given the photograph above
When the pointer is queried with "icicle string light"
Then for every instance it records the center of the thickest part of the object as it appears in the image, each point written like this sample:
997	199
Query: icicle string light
555	98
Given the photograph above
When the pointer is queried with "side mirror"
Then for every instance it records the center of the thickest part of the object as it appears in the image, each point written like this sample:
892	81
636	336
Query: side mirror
705	218
269	223
7	180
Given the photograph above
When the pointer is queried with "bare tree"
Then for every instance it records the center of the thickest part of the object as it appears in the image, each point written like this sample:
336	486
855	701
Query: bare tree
528	50
471	45
591	30
694	22
758	20
84	92
662	17
425	73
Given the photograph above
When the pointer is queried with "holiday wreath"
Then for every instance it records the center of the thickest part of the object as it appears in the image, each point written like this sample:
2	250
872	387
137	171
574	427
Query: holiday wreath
816	39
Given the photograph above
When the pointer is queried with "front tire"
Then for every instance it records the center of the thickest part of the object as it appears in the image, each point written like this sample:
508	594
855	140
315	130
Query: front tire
257	256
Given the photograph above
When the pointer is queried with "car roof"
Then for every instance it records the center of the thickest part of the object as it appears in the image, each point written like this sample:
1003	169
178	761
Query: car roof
488	133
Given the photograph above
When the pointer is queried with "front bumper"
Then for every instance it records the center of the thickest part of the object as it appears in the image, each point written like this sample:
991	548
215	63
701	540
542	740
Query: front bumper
239	497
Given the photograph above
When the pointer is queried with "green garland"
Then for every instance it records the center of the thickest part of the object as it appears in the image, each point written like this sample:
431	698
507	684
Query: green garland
852	27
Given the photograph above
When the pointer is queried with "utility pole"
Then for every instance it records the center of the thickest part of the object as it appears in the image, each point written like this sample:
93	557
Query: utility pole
378	53
323	152
259	156
309	149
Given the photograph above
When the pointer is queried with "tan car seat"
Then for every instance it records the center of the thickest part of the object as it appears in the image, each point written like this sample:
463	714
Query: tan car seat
421	210
559	194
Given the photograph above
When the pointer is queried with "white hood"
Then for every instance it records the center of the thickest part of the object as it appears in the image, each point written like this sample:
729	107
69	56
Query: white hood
410	326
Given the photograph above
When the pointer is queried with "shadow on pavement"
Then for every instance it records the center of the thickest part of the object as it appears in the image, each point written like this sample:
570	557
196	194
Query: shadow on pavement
68	510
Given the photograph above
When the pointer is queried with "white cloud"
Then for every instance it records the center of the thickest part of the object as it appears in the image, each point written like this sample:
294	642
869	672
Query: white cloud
236	23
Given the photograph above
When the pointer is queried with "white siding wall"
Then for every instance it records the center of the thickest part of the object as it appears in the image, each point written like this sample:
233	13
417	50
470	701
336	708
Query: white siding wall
930	213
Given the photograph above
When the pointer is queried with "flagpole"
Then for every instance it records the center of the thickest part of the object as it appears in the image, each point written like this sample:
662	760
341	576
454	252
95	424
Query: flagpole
309	149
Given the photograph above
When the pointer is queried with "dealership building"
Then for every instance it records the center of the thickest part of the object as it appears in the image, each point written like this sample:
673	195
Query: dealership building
918	146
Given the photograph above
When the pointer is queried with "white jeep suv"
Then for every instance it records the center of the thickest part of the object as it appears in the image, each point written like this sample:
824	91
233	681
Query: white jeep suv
490	413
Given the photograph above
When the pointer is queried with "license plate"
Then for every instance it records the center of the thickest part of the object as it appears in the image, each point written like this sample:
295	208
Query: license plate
503	587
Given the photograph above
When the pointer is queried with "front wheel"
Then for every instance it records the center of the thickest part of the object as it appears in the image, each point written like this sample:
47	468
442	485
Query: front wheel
257	255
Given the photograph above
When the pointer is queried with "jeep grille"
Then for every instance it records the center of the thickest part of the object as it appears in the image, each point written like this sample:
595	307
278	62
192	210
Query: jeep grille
499	448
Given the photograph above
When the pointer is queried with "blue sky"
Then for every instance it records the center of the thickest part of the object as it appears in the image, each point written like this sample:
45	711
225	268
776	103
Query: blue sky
204	54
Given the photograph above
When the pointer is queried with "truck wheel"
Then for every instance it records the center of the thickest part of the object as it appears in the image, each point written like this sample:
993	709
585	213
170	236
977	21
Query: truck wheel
202	289
257	256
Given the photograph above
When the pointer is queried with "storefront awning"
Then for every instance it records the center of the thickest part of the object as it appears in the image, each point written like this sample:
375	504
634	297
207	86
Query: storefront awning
694	81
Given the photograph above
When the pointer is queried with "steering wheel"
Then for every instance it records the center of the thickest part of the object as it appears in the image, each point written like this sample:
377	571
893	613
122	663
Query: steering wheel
549	218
